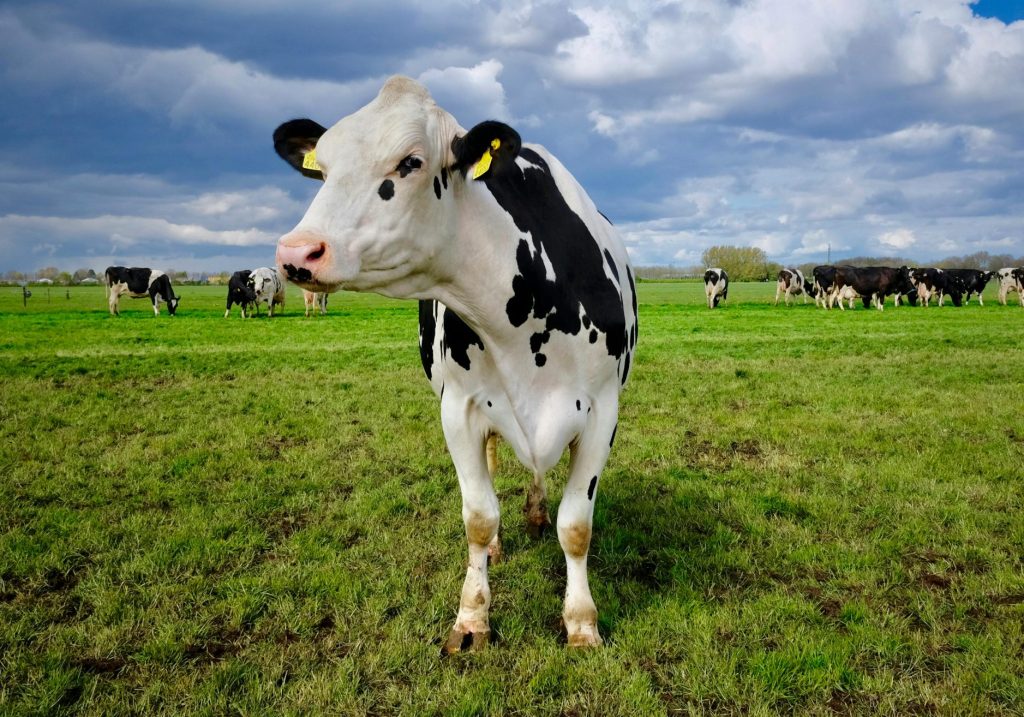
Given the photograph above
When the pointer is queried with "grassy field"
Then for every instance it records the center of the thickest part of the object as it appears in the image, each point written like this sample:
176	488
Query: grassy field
806	512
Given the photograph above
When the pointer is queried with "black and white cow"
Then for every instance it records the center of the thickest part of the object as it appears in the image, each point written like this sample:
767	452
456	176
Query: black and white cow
872	283
1010	280
791	282
905	290
138	283
269	288
241	292
716	286
315	301
972	281
527	303
938	283
824	276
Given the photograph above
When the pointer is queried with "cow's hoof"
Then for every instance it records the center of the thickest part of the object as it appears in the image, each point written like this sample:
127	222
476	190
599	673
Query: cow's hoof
585	636
494	552
536	528
459	641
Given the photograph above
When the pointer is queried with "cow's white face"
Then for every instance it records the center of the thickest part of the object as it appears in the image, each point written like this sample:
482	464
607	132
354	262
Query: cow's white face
262	282
385	210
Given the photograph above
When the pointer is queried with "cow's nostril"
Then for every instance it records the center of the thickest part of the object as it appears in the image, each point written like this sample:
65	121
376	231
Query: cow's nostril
317	253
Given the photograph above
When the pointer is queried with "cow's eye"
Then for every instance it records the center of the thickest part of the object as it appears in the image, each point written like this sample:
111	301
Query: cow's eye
409	164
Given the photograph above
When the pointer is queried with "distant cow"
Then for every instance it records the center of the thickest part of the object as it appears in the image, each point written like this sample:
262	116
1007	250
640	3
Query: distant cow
138	283
1010	280
823	277
269	288
938	283
716	286
241	292
905	290
973	281
873	283
791	282
314	301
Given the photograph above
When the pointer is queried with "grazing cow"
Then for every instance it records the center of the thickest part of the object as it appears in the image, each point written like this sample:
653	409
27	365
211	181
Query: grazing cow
315	301
138	283
973	281
791	282
527	304
824	276
872	283
905	290
716	286
938	283
269	288
241	292
1009	280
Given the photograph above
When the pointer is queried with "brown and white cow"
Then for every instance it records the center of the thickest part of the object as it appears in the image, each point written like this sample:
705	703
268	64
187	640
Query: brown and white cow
315	301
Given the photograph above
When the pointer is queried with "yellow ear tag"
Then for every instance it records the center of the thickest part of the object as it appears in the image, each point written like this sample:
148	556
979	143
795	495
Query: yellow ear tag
484	163
309	161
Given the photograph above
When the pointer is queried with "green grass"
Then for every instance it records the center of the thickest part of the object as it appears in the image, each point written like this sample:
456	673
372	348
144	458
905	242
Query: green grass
806	512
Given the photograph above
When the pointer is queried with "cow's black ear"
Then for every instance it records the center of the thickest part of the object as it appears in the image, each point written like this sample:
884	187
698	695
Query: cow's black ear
295	140
489	147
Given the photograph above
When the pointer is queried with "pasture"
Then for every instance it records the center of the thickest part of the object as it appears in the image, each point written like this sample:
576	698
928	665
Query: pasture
806	512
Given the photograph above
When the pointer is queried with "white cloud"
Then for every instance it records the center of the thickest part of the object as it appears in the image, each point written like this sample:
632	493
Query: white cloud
469	93
898	238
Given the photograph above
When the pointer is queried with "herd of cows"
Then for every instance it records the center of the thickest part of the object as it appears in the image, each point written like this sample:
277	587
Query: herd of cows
833	285
247	288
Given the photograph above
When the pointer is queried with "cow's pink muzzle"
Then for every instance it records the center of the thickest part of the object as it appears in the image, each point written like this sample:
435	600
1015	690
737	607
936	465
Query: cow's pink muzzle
302	256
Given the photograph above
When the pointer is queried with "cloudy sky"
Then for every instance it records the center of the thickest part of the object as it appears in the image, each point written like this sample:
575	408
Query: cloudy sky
139	132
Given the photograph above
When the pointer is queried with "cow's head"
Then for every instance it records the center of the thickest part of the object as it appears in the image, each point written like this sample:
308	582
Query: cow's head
386	213
172	305
260	282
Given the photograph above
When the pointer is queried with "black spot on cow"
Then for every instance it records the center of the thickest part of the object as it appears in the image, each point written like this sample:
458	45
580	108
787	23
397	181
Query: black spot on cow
611	264
579	406
590	490
489	404
593	336
428	330
444	177
437	187
540	359
458	337
614	431
302	274
586	321
636	317
625	370
538	340
387	189
533	201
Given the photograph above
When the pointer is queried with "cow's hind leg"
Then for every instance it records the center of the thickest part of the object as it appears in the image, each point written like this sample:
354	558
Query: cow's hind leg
494	552
536	508
480	516
575	525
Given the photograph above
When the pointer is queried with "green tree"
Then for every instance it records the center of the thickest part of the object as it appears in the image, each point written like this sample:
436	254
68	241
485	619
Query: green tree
741	263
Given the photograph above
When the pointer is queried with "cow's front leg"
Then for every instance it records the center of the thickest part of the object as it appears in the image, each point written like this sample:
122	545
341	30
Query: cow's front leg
467	446
575	526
